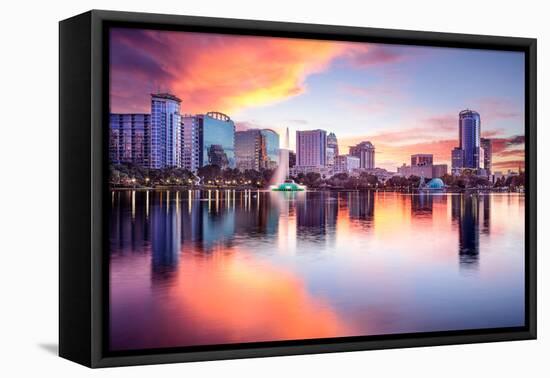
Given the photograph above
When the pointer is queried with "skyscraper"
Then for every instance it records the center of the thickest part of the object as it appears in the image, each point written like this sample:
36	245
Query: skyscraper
311	148
249	149
208	139
487	146
365	152
291	159
272	147
332	149
469	130
191	141
129	138
218	140
165	131
457	157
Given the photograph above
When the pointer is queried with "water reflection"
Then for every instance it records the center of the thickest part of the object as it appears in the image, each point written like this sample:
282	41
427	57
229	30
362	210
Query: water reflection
165	236
241	266
466	213
361	206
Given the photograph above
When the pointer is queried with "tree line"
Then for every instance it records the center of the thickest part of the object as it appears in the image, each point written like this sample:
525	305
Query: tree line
128	175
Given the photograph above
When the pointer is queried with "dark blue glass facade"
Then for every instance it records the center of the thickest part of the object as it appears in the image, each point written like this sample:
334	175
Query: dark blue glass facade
271	146
469	136
218	140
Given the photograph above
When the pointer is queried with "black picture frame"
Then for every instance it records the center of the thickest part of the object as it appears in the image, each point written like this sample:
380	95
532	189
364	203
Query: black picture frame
83	123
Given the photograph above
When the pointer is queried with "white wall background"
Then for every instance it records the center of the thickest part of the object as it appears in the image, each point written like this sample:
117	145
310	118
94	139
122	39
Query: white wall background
29	189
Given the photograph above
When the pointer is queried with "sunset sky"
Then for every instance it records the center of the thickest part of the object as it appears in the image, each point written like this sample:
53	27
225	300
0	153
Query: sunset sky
403	99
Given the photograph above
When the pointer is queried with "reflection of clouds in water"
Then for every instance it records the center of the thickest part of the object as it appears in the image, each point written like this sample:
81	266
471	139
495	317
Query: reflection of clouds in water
241	298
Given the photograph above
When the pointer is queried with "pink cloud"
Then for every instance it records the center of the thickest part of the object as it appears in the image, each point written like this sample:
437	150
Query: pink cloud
492	109
375	54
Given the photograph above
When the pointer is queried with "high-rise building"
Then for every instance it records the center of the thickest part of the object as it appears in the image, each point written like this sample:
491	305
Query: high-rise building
332	149
208	139
129	138
291	159
422	159
487	146
191	141
249	149
311	148
165	131
219	130
272	147
457	157
469	130
365	152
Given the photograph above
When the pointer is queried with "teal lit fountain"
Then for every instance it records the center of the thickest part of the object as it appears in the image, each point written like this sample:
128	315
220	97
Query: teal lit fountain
282	181
288	186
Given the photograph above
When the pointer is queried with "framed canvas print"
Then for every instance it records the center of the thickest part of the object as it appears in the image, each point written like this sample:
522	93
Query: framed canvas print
234	188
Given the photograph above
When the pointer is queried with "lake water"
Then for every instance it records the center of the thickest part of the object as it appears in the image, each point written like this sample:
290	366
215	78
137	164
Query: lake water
199	268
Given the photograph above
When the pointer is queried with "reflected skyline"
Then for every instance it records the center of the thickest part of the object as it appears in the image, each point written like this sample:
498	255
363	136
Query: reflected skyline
207	267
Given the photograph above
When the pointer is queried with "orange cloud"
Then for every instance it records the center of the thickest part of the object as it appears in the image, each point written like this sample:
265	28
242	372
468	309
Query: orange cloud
214	72
252	73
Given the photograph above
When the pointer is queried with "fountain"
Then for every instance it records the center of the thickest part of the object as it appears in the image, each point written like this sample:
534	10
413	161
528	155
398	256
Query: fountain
282	181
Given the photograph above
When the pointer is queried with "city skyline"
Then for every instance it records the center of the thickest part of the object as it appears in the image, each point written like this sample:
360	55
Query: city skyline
403	99
165	138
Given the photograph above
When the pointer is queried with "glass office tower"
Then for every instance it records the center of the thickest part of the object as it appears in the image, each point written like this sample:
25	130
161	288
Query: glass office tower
272	147
217	140
469	129
249	149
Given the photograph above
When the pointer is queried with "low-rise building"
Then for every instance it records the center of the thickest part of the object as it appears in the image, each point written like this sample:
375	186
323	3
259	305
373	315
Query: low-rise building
346	164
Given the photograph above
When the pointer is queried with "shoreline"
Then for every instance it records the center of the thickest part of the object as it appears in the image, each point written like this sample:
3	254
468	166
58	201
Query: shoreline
410	191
